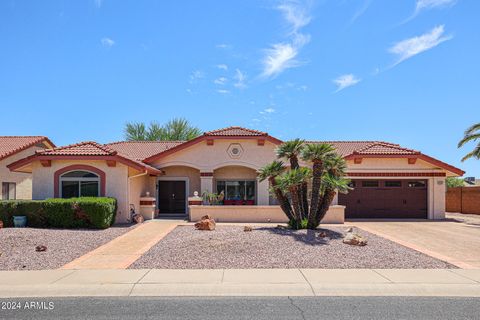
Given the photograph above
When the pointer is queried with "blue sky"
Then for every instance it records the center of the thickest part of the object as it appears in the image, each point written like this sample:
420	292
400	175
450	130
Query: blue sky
401	71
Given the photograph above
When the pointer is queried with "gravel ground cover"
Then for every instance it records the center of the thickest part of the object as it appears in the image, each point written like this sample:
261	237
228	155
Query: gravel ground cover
17	246
229	247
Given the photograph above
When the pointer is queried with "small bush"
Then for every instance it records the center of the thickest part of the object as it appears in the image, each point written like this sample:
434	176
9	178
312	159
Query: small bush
92	212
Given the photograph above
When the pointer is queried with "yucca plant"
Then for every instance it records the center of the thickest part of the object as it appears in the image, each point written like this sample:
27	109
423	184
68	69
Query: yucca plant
326	176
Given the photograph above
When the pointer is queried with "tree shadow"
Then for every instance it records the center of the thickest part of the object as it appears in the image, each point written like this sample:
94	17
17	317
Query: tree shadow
306	236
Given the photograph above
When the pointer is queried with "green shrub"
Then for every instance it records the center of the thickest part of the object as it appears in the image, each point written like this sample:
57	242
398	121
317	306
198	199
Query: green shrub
86	212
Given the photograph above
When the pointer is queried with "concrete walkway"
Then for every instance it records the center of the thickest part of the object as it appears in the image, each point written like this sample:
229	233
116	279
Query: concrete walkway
453	242
241	282
121	252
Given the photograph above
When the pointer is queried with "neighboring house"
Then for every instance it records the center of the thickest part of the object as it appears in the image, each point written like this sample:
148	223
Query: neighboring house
389	181
18	185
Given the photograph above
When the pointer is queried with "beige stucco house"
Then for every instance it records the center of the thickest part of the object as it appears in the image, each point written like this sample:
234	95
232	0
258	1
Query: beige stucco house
18	185
389	181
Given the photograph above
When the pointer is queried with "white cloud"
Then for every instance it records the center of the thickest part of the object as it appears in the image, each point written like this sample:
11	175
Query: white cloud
345	81
223	46
269	110
422	5
220	81
223	91
196	75
222	67
408	48
366	4
282	56
240	78
98	3
297	16
107	42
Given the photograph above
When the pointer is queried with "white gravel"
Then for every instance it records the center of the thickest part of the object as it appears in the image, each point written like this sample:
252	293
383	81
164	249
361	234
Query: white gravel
230	247
17	246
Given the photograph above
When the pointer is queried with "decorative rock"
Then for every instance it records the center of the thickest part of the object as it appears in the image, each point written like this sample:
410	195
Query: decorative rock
138	218
247	229
350	229
354	239
40	248
206	223
322	234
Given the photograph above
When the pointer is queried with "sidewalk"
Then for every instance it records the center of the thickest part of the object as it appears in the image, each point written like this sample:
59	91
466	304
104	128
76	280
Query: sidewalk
241	282
121	252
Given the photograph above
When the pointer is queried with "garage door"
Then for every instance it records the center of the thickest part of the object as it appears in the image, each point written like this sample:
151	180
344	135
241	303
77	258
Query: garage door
386	199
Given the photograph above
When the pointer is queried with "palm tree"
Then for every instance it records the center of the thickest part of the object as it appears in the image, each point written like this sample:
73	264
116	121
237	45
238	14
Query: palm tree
327	178
292	182
271	171
291	151
471	134
317	154
175	129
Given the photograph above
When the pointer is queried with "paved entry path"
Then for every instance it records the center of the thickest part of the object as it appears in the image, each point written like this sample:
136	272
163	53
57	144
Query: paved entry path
455	242
121	252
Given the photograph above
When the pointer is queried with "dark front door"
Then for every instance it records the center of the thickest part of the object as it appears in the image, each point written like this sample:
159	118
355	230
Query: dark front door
171	197
386	199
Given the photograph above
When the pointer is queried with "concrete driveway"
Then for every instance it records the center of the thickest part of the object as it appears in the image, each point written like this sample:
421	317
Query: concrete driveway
453	241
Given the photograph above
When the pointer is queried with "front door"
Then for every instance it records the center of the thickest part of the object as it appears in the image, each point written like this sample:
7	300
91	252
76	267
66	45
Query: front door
171	197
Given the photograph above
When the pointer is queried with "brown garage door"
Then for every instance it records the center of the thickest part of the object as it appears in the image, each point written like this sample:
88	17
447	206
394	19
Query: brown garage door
386	199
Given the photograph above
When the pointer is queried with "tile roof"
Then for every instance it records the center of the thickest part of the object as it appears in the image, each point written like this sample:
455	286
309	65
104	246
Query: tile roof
346	148
87	148
10	145
235	131
141	150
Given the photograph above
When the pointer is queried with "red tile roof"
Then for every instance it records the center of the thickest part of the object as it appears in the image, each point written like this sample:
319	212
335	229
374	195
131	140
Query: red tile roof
87	148
10	145
346	148
141	150
235	131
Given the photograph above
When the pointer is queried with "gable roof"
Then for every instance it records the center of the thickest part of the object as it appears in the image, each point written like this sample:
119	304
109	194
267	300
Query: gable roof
236	132
10	145
89	150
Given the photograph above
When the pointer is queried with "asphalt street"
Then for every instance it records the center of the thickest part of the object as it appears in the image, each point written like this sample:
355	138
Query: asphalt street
241	308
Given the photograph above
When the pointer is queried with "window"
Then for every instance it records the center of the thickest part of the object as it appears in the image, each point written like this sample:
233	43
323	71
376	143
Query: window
417	184
9	191
370	183
79	184
237	190
393	184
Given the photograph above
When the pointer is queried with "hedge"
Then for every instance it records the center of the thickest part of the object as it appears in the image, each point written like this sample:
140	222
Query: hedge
96	213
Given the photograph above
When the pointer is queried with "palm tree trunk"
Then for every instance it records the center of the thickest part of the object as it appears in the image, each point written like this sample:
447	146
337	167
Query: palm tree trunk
294	191
282	199
315	199
323	207
304	191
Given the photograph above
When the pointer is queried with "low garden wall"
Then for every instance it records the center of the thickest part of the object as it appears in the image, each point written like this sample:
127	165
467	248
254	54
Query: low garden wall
257	214
97	213
463	200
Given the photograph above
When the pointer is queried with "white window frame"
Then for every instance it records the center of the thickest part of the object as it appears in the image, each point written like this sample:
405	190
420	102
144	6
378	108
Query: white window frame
62	178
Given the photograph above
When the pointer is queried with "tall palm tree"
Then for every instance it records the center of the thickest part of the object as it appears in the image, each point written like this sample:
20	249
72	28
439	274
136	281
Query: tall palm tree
318	154
271	171
291	151
175	129
471	134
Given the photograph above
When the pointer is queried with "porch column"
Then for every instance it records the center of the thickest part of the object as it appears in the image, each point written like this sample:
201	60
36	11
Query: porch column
206	182
262	193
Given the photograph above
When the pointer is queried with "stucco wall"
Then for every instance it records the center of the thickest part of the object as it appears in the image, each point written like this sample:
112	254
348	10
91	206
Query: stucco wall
23	180
116	182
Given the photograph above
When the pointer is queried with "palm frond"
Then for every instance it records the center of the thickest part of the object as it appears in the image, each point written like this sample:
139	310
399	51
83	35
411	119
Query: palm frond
271	170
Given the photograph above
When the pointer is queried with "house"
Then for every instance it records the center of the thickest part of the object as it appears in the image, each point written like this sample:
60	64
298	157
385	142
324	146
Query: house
389	181
18	185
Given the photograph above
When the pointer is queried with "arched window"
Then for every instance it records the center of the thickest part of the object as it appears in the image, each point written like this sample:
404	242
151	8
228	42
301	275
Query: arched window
79	184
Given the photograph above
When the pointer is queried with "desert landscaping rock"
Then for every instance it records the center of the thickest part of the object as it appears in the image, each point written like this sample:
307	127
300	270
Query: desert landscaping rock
230	247
206	223
19	246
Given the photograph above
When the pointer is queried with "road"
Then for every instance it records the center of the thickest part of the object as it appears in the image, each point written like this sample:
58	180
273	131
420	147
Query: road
244	308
